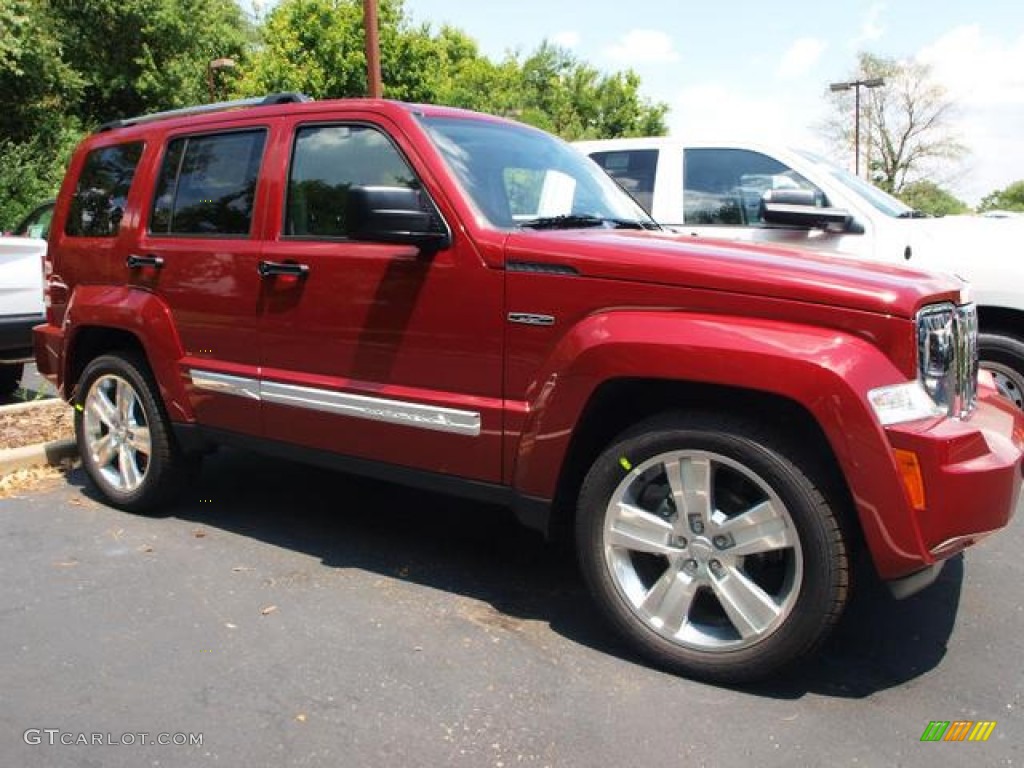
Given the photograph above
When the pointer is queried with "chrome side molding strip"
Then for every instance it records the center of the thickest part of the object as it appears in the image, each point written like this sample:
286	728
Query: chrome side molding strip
401	412
226	384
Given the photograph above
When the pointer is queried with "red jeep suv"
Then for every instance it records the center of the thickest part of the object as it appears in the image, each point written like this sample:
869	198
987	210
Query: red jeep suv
463	303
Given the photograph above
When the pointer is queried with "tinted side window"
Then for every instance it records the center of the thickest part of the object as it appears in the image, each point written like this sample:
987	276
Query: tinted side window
207	184
724	186
97	206
327	161
634	169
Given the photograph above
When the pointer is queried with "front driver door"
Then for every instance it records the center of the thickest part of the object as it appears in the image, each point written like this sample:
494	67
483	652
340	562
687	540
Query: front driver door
375	351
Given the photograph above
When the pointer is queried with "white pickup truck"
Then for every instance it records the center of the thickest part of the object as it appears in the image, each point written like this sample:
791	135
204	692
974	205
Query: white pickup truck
770	194
21	293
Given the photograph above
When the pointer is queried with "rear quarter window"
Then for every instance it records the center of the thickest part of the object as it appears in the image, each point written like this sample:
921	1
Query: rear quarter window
97	206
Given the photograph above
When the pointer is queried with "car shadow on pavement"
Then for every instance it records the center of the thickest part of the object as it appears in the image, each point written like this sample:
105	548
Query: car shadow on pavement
481	552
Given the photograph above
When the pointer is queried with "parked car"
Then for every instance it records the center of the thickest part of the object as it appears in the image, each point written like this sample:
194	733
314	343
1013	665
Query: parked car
763	193
37	222
21	294
462	303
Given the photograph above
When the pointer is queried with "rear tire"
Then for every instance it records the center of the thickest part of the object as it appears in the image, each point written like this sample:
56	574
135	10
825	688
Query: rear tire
1002	355
10	378
124	436
710	549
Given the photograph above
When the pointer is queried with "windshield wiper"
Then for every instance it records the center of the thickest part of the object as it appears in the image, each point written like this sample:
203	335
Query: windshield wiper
914	214
575	220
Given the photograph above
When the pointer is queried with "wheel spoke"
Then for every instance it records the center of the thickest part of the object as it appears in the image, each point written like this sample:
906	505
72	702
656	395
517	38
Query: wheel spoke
668	601
103	450
125	400
760	529
637	530
128	468
750	609
101	407
690	481
140	441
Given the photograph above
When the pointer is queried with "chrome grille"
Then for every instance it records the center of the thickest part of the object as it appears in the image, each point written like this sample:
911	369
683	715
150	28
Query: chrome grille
966	365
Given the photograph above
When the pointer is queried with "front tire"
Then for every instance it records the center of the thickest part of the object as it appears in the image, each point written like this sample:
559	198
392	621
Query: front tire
1002	355
124	436
708	547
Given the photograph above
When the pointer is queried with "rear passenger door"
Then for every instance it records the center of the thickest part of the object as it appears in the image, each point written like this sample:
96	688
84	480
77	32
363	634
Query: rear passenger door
199	253
376	351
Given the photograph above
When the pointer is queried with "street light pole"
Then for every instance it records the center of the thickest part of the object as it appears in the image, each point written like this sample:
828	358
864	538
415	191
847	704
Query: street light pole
375	90
855	86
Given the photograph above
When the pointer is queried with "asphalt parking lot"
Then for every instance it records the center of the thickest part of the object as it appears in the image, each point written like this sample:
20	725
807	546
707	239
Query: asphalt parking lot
293	616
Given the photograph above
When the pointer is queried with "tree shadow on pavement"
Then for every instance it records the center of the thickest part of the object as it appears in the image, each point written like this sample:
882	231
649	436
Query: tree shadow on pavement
481	552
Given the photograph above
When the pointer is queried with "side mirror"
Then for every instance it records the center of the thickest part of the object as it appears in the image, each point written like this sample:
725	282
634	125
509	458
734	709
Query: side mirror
394	215
799	208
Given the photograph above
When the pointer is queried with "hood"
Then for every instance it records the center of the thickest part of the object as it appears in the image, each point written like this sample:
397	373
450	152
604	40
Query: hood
985	252
666	259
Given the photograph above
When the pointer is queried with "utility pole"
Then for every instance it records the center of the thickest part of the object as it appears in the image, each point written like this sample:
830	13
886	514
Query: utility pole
856	85
211	69
375	89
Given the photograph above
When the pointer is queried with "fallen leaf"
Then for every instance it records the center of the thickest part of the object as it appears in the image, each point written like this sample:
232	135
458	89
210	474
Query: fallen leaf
146	548
199	533
117	534
301	717
66	564
240	568
268	609
229	625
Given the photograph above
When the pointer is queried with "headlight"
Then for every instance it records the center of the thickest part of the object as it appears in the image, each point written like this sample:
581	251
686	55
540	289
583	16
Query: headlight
947	369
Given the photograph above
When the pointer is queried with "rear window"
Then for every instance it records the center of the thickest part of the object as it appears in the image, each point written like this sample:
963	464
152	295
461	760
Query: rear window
99	200
207	185
634	169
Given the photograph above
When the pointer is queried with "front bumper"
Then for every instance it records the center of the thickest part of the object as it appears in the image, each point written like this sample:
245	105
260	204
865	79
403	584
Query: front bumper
971	472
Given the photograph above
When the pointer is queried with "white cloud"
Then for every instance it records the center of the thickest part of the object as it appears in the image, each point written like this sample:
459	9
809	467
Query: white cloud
977	69
713	111
567	39
643	45
801	57
985	78
871	27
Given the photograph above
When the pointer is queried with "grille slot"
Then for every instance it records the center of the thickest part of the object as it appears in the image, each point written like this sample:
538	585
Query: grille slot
965	329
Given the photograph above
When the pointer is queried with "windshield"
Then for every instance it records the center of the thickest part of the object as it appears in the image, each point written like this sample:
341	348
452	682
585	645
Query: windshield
522	177
883	201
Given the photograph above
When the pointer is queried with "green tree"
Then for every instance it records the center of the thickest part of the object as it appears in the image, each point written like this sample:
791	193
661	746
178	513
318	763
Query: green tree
928	197
68	65
136	56
317	47
1010	198
37	87
906	125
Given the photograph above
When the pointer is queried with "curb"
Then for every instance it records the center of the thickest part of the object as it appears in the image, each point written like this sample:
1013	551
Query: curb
52	453
28	405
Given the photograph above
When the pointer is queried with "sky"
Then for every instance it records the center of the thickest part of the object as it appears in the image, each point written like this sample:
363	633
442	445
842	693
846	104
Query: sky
756	69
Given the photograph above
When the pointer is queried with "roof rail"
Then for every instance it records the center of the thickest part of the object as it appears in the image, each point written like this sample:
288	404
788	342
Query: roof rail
202	109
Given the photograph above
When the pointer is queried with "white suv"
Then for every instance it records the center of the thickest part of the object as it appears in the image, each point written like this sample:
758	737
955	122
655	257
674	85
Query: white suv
21	293
783	196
